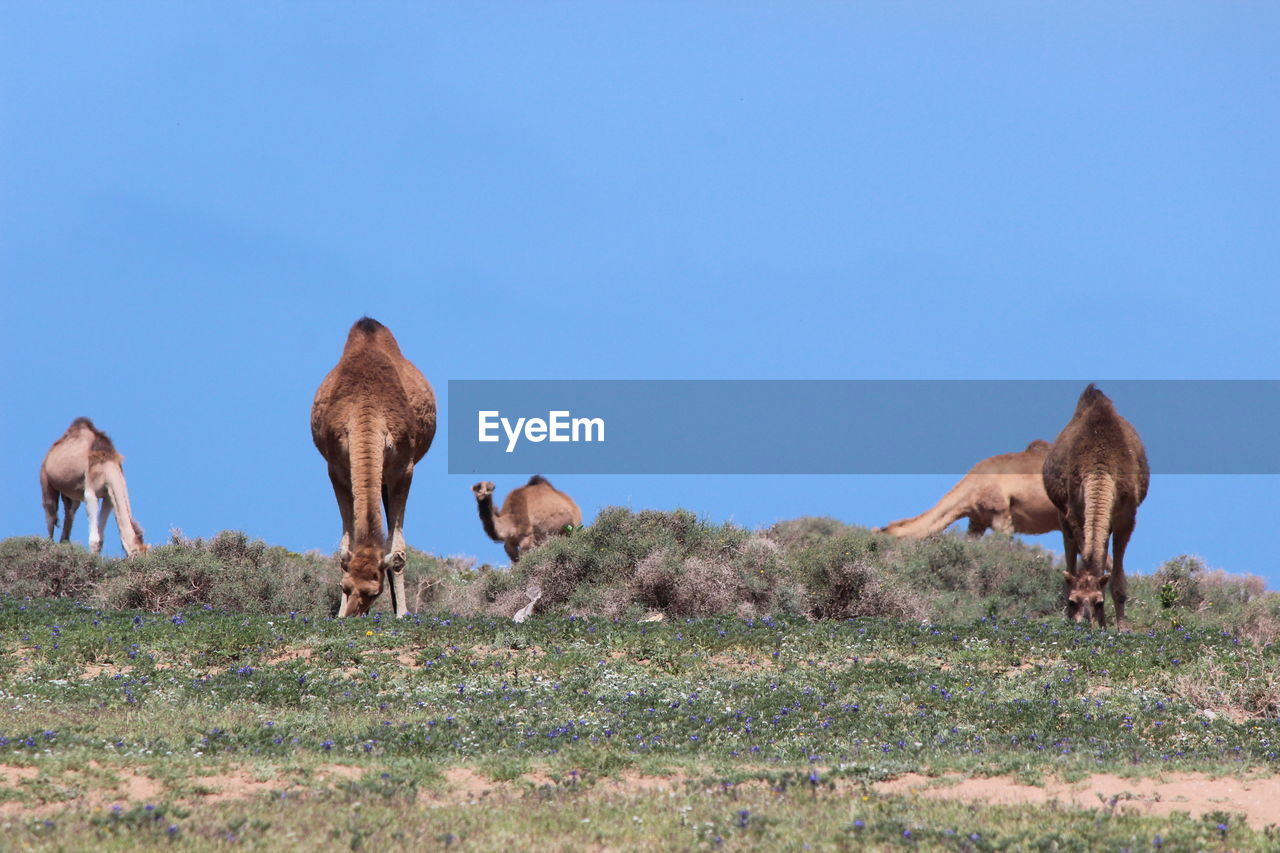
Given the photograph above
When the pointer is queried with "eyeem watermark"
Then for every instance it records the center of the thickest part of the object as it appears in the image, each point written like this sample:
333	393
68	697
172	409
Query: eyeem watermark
558	426
840	426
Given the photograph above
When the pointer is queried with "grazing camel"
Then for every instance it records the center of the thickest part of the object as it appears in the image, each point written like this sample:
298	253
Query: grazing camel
1004	492
530	515
373	419
84	466
1096	475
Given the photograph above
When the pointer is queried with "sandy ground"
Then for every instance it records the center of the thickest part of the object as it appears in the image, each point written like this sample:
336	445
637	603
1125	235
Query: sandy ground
1257	799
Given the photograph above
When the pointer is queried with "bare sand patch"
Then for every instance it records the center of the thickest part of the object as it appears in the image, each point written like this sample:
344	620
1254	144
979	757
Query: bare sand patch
131	788
128	787
743	662
1196	793
233	786
464	785
11	776
291	655
629	783
341	771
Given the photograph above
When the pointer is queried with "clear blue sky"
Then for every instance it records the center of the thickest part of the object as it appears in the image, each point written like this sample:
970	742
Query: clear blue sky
199	200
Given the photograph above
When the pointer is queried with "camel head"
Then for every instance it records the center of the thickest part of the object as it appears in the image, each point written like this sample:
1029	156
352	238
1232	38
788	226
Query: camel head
1084	600
363	572
483	490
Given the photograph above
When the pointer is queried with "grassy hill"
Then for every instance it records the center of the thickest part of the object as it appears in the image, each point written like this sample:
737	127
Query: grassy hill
811	686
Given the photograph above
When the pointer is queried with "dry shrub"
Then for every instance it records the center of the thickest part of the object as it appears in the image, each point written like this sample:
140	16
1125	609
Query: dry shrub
452	584
1211	686
693	586
798	533
857	573
229	571
34	567
668	561
862	588
1180	580
628	563
1261	622
1227	590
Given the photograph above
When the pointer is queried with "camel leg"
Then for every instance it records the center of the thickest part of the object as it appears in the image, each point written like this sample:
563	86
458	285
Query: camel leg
49	498
103	512
395	497
977	527
1069	554
1119	585
91	510
513	551
1002	522
346	508
398	600
69	508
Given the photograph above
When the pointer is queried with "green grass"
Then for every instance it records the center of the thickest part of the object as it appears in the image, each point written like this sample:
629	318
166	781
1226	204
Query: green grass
344	734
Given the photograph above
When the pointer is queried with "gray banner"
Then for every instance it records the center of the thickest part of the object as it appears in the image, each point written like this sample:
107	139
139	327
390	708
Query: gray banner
839	426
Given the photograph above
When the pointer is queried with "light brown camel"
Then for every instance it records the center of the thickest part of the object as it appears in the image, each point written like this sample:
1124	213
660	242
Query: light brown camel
1096	475
373	419
1004	492
82	467
529	516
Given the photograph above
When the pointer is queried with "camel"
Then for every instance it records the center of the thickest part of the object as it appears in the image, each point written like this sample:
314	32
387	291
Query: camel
1097	476
1004	492
529	516
82	467
373	419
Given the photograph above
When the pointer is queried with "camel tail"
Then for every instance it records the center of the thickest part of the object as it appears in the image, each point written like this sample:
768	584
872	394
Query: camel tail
366	443
1099	497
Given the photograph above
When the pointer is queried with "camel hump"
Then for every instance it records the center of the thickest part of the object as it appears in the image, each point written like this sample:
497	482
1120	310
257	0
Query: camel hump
1092	399
1092	395
1039	444
368	325
367	333
102	444
539	480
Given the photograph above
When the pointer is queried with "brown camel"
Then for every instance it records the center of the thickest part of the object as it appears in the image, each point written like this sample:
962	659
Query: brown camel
1096	475
1004	492
82	467
373	419
530	515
